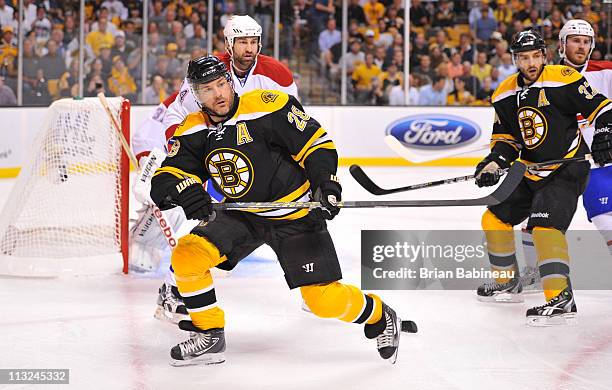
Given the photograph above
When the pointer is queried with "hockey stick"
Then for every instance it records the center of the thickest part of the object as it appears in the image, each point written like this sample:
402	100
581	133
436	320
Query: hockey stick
124	143
167	230
366	182
416	157
501	193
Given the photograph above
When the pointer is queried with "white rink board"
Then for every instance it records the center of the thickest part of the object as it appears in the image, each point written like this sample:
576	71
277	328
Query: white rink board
358	132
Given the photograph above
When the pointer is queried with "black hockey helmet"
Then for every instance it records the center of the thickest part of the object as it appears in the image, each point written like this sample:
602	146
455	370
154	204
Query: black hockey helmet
526	41
205	69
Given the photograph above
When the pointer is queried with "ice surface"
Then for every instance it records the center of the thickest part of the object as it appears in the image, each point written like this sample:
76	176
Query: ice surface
103	330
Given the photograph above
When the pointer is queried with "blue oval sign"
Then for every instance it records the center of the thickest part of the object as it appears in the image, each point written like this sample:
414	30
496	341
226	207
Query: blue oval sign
434	131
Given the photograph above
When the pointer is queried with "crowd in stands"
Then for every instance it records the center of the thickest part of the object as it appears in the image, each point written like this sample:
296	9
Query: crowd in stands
458	50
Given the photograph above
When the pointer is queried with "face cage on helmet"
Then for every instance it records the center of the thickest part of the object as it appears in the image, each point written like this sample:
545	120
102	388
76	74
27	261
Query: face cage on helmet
227	76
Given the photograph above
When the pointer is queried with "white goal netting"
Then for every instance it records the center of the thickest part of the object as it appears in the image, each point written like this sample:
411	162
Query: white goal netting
65	212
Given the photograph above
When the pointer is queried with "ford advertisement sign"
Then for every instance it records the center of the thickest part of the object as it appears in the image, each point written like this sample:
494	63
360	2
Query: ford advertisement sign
434	131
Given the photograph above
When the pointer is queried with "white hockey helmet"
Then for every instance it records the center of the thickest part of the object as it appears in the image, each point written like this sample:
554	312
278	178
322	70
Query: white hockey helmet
575	27
241	26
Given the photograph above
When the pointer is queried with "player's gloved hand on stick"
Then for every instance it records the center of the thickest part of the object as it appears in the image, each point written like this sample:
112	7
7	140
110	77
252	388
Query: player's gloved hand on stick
488	170
601	149
329	193
190	195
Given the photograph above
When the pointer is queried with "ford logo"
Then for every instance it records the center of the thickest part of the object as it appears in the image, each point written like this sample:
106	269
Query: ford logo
434	131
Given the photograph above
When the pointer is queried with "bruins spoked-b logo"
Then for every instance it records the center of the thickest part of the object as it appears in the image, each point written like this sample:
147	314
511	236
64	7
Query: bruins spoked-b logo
232	171
533	126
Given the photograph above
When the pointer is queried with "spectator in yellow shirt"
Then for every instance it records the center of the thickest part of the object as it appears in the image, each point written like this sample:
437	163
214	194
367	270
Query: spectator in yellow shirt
96	39
373	10
362	78
481	69
502	13
121	83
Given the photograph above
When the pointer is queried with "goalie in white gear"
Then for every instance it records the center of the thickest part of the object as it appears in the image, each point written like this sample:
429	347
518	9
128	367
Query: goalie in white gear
249	70
576	43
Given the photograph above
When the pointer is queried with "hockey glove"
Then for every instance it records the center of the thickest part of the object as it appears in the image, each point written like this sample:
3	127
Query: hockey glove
329	193
192	197
601	149
488	170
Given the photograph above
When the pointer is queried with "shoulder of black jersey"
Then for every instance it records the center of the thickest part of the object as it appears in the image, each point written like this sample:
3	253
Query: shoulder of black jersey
507	88
193	123
257	103
594	66
274	69
558	76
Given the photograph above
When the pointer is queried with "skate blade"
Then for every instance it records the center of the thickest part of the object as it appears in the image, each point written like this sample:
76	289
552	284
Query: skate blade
204	360
567	319
533	291
533	288
163	315
502	298
398	324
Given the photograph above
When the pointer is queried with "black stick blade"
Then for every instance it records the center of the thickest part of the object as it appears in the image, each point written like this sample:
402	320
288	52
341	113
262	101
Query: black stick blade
409	327
364	180
509	184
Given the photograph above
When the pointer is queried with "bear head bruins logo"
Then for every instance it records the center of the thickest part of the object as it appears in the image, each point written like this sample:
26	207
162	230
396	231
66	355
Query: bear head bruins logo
533	126
231	170
268	97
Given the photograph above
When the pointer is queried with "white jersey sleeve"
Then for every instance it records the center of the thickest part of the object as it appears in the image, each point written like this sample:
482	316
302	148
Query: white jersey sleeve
150	134
599	76
183	105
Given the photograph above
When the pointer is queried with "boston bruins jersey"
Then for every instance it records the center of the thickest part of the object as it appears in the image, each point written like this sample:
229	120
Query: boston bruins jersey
268	149
538	122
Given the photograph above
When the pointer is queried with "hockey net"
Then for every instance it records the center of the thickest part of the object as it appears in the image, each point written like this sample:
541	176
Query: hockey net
68	210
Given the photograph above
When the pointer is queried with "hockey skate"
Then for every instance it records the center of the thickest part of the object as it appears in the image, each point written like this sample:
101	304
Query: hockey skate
509	292
530	280
561	310
170	306
387	333
202	347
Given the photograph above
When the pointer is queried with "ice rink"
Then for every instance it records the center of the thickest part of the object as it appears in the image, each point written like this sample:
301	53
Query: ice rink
102	328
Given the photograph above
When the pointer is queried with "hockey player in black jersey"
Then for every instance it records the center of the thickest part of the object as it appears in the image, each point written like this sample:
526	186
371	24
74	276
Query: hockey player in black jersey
535	120
260	146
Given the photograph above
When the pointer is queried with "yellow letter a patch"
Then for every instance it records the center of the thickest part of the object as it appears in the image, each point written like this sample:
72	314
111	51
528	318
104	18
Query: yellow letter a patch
542	101
242	134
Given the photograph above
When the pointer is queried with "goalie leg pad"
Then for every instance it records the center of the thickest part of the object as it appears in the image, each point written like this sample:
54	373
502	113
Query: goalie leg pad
148	241
148	232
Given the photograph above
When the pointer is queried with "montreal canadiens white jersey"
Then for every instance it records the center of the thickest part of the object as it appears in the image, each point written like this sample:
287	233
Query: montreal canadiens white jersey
267	73
599	75
150	134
